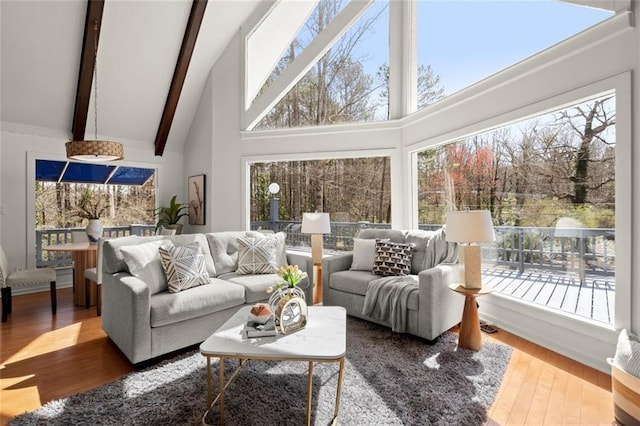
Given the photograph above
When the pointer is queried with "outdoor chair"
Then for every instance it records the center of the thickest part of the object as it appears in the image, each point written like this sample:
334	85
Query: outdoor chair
95	275
24	278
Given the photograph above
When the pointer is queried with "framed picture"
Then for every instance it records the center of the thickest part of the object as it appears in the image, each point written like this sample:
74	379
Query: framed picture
196	199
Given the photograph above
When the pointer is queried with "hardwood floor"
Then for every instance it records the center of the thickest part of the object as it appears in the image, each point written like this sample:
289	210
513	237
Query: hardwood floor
44	358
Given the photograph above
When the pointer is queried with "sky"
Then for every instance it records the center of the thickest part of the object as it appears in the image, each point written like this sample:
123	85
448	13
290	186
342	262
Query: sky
466	41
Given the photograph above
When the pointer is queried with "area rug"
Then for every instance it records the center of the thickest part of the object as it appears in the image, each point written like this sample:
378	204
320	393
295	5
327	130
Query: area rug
390	379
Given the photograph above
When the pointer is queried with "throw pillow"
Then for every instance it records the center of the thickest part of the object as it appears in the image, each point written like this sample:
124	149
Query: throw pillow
627	355
143	261
281	244
364	254
392	259
184	266
256	256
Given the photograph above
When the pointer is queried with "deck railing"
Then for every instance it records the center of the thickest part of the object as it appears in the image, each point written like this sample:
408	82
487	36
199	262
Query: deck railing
47	237
590	250
579	250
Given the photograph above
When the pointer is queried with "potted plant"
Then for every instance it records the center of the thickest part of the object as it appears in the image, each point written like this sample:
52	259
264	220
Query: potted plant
168	217
91	207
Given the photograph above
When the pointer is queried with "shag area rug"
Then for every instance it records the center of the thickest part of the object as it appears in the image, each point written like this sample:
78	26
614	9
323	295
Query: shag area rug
390	379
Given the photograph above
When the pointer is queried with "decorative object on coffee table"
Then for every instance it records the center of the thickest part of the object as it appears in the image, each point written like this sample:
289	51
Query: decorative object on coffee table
288	301
470	336
316	224
469	228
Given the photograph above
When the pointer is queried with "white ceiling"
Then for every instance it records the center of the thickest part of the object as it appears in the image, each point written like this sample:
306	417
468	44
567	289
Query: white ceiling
139	45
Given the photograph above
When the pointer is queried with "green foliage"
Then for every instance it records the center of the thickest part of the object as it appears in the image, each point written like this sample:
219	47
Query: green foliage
171	214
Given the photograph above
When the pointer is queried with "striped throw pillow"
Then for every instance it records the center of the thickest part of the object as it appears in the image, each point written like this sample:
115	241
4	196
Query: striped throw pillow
184	266
256	256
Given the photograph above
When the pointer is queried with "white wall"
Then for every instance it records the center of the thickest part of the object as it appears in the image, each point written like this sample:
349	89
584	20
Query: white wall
198	155
21	145
602	53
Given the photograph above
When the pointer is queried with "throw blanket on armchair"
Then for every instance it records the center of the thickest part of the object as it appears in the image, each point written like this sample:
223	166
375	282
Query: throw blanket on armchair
387	299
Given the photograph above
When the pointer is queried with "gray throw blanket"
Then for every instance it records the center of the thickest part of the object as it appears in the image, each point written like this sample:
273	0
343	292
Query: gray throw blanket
387	299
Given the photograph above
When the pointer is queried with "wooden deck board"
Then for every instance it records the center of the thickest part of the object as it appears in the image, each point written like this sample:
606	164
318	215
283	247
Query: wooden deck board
592	299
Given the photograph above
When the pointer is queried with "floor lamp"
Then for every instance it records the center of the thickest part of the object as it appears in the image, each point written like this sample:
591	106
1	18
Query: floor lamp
469	228
316	224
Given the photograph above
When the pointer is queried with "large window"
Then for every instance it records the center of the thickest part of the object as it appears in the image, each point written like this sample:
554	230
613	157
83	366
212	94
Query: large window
348	84
355	192
549	183
463	42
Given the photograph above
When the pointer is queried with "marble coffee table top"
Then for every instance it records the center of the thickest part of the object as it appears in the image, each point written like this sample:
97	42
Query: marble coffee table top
324	337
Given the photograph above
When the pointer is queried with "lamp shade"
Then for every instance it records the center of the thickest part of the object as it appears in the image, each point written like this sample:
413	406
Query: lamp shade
472	226
316	223
94	150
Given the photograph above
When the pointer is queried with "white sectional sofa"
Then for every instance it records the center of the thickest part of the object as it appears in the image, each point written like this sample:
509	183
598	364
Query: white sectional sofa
145	320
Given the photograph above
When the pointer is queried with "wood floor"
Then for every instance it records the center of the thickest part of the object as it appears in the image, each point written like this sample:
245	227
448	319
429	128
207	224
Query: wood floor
43	359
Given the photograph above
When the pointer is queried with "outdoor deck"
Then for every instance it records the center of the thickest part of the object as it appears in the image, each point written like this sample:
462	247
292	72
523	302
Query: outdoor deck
593	298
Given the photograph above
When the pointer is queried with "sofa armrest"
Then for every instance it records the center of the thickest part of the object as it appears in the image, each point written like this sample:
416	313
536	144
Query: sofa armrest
126	314
305	263
331	264
440	308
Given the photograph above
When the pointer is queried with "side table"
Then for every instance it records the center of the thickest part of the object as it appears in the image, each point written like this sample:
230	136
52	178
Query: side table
470	336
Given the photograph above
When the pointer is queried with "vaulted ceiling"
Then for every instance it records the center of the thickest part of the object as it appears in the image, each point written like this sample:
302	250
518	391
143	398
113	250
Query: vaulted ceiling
139	45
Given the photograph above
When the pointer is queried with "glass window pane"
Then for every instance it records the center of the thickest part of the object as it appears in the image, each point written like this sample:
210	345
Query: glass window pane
463	42
549	183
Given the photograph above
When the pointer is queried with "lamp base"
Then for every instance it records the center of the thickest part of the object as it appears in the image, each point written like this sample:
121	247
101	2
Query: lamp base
470	266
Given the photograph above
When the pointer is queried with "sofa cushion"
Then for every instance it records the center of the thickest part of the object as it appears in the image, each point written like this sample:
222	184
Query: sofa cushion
256	256
255	286
364	254
184	266
143	261
113	261
393	235
420	240
392	259
184	239
224	248
356	282
169	308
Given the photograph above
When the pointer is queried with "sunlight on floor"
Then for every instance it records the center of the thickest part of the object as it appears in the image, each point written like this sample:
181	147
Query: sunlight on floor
53	341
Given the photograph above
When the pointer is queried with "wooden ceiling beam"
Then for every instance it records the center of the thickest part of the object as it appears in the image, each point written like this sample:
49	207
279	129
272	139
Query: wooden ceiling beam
182	65
87	61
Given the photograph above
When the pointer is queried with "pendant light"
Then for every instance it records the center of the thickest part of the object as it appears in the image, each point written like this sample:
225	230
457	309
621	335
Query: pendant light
95	150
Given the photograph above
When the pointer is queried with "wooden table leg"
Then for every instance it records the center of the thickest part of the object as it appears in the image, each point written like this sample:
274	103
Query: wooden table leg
81	261
317	285
470	336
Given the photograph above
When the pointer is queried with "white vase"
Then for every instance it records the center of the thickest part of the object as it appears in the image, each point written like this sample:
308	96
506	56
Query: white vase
94	230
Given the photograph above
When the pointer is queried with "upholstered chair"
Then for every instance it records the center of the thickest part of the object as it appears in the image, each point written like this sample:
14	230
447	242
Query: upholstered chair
24	278
95	275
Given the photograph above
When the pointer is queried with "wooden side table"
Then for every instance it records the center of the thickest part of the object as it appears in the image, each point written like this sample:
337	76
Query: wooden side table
470	336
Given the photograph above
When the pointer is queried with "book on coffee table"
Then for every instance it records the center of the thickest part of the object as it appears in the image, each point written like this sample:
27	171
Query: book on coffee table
253	328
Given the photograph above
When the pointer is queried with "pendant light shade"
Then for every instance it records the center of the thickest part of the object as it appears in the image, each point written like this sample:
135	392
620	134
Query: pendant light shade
95	150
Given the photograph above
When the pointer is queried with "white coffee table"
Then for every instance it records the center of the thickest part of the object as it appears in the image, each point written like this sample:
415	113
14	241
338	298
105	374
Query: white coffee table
322	340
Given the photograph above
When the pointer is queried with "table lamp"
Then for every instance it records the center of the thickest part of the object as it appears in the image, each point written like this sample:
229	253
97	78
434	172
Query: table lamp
316	224
469	228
